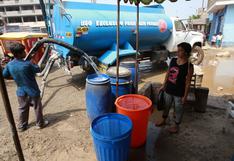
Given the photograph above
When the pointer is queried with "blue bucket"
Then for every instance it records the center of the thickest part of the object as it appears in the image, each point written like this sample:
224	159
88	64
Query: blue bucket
124	85
98	95
131	66
111	136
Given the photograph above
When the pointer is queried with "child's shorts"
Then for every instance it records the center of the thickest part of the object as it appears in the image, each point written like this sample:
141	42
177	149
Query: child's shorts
218	42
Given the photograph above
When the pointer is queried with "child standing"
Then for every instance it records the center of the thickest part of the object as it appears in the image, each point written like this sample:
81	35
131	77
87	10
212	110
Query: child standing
213	40
176	85
219	40
23	72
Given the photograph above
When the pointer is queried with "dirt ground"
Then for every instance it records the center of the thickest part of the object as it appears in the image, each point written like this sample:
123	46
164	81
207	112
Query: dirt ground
201	136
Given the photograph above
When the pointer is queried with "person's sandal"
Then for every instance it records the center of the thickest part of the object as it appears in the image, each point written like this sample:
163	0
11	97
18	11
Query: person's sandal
22	129
45	123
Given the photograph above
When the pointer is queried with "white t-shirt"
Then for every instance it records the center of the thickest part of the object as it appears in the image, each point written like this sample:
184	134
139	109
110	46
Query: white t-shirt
219	37
213	38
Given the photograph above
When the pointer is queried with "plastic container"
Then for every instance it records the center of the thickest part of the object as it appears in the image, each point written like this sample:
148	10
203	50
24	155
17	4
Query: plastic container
98	95
111	136
124	86
131	66
138	109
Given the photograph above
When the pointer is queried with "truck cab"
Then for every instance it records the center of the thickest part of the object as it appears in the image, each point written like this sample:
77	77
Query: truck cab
181	34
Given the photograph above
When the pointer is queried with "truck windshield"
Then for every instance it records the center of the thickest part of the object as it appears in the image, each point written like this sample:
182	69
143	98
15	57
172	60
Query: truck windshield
179	26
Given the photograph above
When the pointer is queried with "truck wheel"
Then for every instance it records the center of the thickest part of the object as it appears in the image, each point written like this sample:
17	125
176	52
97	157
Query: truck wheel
197	55
160	56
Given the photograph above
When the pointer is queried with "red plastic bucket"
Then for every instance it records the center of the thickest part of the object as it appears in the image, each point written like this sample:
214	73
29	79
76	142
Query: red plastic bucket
138	109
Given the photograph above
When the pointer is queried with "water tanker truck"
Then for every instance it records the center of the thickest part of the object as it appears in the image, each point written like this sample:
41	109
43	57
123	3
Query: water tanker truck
91	27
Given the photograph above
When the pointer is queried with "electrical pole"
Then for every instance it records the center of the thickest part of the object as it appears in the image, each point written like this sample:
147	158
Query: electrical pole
203	5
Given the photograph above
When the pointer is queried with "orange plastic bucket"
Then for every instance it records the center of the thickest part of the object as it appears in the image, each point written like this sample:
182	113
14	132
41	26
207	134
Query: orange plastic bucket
138	109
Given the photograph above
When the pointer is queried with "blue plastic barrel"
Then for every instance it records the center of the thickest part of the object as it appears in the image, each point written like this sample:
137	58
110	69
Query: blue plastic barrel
98	95
111	136
124	85
131	66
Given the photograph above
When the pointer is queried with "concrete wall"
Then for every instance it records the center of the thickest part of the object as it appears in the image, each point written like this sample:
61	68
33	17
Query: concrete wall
228	30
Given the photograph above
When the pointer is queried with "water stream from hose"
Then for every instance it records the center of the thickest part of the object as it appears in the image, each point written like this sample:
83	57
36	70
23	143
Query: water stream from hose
91	62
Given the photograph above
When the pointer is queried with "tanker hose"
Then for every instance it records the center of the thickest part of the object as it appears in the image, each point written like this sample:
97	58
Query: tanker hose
39	43
52	58
44	55
46	71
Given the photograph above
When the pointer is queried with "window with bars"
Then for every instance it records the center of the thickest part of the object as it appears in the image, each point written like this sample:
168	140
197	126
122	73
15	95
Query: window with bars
29	19
27	7
12	8
14	20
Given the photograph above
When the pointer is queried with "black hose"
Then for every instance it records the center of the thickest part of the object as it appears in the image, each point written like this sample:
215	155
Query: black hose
39	43
44	55
42	88
45	69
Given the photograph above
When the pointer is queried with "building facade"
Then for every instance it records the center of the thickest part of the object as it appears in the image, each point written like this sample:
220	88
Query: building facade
199	24
22	15
221	18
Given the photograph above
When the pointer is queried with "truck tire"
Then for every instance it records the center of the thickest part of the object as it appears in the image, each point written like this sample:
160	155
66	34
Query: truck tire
197	55
159	56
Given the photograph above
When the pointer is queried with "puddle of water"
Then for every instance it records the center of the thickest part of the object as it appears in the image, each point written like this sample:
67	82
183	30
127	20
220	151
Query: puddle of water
218	71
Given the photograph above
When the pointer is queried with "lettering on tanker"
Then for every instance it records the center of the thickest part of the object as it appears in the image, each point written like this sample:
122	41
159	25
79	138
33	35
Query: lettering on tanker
142	23
152	23
107	23
129	23
104	23
86	23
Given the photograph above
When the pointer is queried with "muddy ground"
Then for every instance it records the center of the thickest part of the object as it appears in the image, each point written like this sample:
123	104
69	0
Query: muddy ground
201	137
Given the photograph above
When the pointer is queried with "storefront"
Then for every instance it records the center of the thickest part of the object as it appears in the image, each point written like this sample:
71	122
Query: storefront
221	20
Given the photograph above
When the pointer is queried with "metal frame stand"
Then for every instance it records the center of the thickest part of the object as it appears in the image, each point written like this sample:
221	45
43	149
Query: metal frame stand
117	49
137	48
117	44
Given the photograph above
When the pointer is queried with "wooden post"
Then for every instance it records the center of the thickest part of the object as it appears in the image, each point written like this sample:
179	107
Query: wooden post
137	49
10	117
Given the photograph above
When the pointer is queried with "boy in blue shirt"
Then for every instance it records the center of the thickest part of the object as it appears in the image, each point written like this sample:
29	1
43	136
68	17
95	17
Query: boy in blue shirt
28	92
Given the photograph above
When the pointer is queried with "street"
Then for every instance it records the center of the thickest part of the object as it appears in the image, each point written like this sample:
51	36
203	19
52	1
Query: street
67	137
